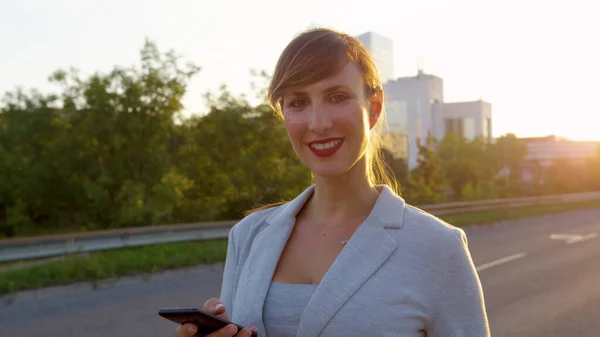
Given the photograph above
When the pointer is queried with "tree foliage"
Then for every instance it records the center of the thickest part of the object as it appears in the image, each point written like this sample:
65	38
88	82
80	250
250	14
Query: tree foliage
425	184
114	150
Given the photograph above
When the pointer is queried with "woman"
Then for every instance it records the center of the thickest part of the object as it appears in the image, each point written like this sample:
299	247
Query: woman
347	257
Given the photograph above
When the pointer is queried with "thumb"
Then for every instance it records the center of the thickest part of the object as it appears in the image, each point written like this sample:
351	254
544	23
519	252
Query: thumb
216	307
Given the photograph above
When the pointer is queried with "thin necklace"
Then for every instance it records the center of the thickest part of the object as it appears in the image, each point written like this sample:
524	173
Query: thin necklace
342	242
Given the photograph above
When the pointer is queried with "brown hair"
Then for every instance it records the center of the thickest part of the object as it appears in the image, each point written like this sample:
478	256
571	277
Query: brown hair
317	54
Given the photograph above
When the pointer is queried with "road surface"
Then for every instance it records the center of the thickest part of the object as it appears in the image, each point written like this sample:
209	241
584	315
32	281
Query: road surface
541	277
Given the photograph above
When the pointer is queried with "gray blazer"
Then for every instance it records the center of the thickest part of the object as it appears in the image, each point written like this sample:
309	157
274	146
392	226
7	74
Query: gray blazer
403	273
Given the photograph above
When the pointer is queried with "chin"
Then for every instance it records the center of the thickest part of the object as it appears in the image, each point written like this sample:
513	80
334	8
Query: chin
328	170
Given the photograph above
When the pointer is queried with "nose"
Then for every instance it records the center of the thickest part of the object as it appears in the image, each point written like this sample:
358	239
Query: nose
320	120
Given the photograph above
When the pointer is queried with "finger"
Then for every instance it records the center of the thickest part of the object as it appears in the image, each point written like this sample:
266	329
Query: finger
246	332
186	330
214	306
227	331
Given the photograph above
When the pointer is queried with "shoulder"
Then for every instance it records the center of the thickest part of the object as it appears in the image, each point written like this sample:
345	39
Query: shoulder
412	225
430	245
417	217
431	231
252	224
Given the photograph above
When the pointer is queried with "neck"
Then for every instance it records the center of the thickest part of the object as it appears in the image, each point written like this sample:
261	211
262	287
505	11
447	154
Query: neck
336	200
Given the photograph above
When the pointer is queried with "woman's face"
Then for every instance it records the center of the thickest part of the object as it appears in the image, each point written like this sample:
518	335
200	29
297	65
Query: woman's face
329	122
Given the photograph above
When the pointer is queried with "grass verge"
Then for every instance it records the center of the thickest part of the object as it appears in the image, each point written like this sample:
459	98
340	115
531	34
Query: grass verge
98	266
111	264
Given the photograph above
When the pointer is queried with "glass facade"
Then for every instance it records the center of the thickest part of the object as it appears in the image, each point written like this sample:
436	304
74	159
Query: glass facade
397	115
395	137
485	128
454	125
469	128
463	127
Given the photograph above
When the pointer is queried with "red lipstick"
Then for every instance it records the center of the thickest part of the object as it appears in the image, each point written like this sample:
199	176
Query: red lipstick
324	148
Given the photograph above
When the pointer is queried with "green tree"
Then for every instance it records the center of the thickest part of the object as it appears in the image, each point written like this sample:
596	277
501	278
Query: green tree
97	155
470	167
123	122
566	176
397	169
242	157
34	183
426	182
513	152
594	165
457	163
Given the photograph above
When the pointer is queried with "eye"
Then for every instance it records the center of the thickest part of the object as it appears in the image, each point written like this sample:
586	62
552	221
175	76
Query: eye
298	103
338	98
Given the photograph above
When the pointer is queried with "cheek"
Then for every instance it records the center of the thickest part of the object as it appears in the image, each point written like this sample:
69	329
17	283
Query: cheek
295	128
354	119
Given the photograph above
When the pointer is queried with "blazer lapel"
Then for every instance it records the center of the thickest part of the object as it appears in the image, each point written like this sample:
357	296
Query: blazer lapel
264	255
365	252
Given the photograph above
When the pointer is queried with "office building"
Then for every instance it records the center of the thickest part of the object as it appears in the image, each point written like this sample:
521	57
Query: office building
469	119
416	109
545	150
414	105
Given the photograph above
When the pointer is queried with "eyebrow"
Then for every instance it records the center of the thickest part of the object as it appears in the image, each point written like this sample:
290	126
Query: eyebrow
328	90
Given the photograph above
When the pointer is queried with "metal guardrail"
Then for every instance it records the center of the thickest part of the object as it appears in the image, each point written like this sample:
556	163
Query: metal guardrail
62	244
494	204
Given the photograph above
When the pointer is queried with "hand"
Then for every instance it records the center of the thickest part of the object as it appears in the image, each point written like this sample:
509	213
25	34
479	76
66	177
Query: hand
214	306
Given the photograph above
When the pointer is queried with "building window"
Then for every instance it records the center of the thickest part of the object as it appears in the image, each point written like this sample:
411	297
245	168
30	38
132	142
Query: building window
469	128
485	128
455	126
397	115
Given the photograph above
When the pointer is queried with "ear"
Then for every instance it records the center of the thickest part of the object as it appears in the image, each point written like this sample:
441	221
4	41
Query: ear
375	107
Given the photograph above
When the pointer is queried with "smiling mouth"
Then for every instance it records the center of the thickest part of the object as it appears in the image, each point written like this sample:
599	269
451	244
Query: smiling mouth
324	149
325	146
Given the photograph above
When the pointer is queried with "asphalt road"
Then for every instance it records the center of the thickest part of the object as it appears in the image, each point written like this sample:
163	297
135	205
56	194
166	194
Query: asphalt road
541	277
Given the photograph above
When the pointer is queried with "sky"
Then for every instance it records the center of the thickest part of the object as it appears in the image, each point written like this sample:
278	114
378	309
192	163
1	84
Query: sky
536	61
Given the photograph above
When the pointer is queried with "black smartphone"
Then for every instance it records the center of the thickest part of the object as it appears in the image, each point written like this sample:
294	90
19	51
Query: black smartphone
205	322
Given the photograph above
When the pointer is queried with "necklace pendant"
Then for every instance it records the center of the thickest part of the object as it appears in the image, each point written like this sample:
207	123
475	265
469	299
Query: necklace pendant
342	242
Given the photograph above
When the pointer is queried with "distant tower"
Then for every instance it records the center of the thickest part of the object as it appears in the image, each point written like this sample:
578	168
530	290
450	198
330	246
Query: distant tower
382	50
420	65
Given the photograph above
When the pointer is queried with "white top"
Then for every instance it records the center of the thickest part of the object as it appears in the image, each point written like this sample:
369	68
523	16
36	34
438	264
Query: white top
284	306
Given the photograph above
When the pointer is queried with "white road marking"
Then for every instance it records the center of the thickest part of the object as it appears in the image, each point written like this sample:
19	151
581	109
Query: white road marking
583	238
500	261
572	238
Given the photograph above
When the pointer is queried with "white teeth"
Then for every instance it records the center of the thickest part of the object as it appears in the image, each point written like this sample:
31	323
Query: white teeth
326	145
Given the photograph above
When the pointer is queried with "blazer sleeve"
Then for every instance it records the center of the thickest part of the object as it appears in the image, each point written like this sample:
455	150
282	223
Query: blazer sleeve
229	283
460	306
